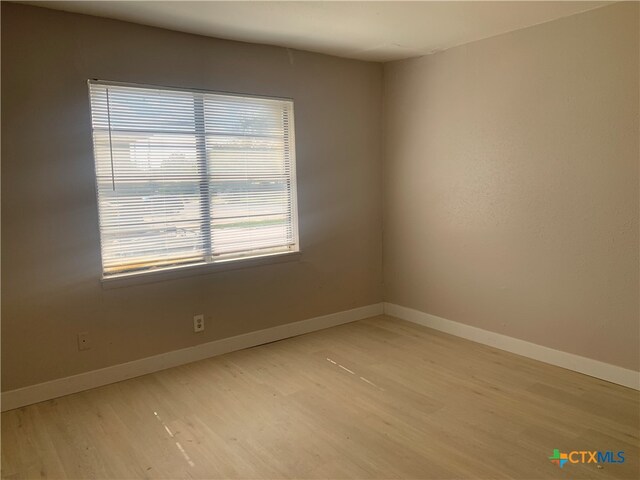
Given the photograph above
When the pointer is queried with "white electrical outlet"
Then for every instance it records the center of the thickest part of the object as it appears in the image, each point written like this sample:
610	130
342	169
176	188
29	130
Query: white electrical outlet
198	323
84	342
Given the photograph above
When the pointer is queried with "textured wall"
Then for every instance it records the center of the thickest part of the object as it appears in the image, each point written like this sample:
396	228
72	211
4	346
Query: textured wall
50	246
511	184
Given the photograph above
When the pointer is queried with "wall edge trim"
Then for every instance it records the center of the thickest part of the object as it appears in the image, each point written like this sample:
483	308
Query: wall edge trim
59	387
587	366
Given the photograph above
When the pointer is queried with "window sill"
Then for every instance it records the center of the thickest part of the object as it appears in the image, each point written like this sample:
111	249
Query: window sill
172	273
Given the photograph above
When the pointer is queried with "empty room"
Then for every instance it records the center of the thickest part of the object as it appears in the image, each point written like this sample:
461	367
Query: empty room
320	240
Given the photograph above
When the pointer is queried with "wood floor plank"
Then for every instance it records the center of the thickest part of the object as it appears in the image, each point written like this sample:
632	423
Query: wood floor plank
379	398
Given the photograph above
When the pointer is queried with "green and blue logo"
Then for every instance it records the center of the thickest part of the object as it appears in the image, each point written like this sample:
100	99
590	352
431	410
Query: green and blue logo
558	458
586	456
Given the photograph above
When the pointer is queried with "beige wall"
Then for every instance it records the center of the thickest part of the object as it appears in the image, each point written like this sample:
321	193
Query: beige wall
50	247
511	184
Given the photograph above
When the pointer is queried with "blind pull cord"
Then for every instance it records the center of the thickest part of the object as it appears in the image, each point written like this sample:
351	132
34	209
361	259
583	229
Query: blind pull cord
113	175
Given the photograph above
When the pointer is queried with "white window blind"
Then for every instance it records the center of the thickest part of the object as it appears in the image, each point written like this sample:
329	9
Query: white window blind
190	177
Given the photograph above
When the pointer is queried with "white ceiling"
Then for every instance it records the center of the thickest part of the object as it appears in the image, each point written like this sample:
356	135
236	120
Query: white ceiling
377	31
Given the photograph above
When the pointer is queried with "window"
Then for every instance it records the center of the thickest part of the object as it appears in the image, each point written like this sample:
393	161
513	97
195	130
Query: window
190	177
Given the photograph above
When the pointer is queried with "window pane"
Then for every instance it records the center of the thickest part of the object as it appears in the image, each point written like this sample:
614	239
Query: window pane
250	172
250	214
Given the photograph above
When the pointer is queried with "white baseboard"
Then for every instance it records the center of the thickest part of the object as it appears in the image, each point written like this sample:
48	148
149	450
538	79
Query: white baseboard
587	366
97	378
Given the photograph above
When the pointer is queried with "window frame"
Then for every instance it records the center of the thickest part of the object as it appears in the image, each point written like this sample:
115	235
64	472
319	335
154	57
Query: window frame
154	274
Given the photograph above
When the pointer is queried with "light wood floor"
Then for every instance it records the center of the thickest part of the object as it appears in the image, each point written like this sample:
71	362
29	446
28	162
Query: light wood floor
378	398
